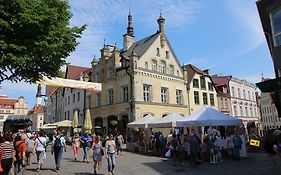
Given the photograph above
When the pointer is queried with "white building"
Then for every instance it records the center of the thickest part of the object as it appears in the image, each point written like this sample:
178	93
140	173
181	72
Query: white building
63	102
243	100
11	106
269	115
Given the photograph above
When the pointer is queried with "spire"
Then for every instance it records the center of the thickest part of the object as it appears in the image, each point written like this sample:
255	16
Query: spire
38	94
161	22
130	29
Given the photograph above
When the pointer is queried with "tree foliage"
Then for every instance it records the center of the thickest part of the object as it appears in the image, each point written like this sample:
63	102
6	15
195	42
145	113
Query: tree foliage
35	38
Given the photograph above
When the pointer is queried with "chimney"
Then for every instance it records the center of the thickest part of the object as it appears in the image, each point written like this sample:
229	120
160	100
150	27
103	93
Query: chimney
161	22
207	71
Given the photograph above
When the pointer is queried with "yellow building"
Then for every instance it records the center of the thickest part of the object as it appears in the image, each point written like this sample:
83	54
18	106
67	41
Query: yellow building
201	89
144	77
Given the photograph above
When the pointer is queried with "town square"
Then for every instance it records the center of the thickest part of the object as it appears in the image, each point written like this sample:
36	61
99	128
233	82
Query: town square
133	87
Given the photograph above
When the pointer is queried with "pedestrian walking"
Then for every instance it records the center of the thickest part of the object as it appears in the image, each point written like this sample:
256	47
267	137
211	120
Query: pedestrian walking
39	148
119	142
76	146
194	150
57	148
6	154
86	140
30	143
97	155
20	148
176	149
110	152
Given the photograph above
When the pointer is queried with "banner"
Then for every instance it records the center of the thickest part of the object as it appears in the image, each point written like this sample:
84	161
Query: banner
76	84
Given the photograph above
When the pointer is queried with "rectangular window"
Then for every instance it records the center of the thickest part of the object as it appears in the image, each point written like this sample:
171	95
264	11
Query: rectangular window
68	100
73	100
172	71
179	97
125	94
110	96
154	65
249	96
222	102
157	51
276	26
233	91
98	99
65	101
235	110
146	65
110	73
241	111
226	103
239	94
210	86
246	111
78	96
195	83
212	100
167	54
196	97
68	115
97	78
163	67
147	93
205	98
251	112
164	95
202	82
244	94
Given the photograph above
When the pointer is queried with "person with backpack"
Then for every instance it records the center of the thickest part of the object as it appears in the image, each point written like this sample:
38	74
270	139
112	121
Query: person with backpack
39	148
57	148
30	143
20	149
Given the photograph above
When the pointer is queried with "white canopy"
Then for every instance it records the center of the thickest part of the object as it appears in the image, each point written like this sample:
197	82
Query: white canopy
208	116
168	121
142	123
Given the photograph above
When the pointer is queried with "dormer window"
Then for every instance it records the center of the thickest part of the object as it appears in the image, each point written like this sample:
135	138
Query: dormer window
154	65
163	67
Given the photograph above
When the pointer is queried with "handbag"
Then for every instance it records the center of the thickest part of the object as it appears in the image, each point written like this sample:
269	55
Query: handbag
2	152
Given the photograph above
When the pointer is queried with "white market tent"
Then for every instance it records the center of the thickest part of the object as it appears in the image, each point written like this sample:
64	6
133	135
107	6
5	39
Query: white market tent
208	116
168	121
143	122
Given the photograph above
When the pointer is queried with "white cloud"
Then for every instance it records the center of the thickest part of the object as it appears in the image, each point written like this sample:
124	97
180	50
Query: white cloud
104	17
246	13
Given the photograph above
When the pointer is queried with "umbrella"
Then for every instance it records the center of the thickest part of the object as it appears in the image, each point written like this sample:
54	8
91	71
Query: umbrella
88	121
75	120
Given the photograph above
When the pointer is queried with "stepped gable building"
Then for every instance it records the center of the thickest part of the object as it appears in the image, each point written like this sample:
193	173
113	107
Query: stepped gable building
201	89
144	77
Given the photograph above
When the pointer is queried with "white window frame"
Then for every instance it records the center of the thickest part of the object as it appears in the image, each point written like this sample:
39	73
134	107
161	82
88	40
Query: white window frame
164	95
124	93
275	35
179	97
172	70
147	93
110	97
154	65
163	66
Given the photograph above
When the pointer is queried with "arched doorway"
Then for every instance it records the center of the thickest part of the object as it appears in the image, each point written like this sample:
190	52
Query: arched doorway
112	124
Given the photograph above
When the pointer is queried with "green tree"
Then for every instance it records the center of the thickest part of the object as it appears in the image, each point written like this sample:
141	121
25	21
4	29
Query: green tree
35	38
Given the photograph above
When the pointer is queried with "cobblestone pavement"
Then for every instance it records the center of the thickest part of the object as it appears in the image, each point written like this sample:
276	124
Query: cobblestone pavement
136	164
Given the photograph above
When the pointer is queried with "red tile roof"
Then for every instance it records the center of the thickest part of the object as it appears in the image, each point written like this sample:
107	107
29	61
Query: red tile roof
4	101
73	72
221	80
37	109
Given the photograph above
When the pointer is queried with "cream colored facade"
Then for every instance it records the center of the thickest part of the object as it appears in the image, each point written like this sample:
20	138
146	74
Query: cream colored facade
269	116
202	91
143	78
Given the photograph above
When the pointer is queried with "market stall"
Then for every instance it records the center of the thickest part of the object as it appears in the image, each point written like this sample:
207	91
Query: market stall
168	121
143	122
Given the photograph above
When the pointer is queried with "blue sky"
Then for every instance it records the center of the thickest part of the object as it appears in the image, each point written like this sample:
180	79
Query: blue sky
223	36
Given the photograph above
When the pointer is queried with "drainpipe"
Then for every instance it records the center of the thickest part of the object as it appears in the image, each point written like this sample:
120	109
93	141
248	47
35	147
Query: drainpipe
130	72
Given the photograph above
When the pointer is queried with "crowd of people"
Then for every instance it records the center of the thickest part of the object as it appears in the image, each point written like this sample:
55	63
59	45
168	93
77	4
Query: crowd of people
17	150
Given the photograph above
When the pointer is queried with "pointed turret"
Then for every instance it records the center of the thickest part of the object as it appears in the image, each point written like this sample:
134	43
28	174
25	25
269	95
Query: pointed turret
128	38
38	95
161	22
